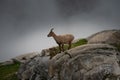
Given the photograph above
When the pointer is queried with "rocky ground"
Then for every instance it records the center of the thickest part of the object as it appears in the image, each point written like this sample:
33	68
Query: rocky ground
99	59
22	58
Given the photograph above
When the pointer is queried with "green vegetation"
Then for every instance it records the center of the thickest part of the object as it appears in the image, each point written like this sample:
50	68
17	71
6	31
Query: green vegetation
78	43
8	72
118	47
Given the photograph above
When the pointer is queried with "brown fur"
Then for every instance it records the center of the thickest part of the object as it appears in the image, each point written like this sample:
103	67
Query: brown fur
62	39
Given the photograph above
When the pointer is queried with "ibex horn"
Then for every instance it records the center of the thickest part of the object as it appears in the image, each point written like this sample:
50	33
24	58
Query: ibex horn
52	29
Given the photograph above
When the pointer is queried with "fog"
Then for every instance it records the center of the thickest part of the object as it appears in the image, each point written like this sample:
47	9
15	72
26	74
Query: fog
24	24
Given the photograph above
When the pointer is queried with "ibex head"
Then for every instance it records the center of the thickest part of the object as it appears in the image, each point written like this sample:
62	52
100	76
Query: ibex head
50	33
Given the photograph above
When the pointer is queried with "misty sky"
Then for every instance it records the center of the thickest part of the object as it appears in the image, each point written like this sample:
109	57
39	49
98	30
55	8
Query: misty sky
24	24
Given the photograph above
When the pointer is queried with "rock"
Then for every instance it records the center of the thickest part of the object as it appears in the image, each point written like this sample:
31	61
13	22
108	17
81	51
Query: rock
107	36
44	52
35	69
88	62
7	62
97	60
25	57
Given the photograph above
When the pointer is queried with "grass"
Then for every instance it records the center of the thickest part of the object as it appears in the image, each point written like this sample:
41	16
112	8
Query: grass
8	72
78	43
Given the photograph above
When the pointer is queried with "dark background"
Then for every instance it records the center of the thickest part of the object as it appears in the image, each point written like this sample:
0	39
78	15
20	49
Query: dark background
24	24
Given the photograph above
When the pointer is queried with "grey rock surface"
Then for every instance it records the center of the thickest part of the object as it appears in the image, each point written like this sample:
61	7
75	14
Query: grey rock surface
93	61
107	36
24	57
88	62
35	69
7	62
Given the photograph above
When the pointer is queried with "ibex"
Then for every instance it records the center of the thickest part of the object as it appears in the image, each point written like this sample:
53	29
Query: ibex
61	39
